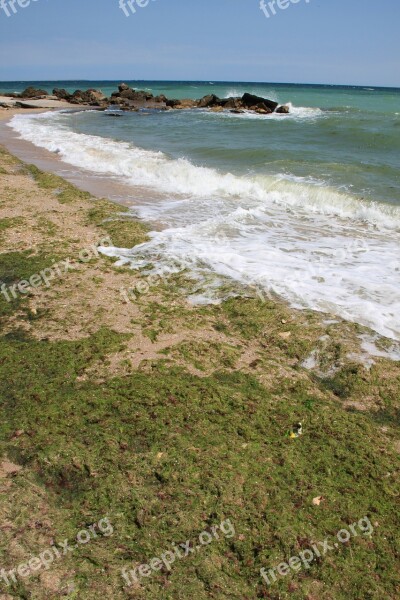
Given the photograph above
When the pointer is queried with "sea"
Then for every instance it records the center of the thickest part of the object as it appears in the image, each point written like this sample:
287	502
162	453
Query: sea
305	206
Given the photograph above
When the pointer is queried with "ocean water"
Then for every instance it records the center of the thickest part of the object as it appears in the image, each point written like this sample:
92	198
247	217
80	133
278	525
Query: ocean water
304	206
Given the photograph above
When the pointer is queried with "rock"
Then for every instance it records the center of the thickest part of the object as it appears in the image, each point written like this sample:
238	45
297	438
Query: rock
172	103
139	98
283	110
61	94
117	101
96	95
91	96
217	109
132	95
31	92
231	103
185	103
237	111
262	109
208	101
250	101
123	87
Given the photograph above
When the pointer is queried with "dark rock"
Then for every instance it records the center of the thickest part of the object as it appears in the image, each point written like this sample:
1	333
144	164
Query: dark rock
237	111
31	92
91	96
262	109
140	97
251	101
283	110
186	103
123	87
173	102
231	103
61	94
208	101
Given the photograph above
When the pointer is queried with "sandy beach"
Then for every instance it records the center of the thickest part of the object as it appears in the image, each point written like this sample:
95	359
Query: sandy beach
199	300
111	366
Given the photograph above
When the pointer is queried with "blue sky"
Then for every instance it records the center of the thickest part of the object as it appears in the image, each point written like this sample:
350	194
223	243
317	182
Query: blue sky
322	41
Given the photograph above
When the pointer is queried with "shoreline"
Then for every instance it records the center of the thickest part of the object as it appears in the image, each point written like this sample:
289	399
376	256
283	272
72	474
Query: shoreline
114	190
100	186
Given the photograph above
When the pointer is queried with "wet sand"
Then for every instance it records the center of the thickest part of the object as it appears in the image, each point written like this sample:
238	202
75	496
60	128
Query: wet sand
101	186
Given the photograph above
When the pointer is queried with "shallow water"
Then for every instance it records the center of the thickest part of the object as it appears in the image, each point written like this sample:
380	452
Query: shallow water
305	205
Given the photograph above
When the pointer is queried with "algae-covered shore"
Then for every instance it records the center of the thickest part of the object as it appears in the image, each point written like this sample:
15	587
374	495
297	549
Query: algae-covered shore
166	420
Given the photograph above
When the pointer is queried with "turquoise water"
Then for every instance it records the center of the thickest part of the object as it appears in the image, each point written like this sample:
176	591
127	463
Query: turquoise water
305	205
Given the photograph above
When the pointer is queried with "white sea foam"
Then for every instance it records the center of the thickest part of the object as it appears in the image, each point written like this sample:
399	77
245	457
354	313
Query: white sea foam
297	113
155	170
311	245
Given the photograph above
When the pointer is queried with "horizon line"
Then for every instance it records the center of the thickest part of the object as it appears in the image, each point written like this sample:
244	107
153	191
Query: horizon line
216	81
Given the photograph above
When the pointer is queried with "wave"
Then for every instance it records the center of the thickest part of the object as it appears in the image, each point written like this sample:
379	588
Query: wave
296	113
295	237
310	263
179	176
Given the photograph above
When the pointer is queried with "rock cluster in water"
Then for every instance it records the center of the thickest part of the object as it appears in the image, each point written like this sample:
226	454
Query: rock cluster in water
129	99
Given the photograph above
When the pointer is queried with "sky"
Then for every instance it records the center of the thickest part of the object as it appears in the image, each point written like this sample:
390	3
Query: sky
350	42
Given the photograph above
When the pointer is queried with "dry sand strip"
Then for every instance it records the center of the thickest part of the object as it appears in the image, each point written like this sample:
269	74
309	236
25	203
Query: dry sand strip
7	102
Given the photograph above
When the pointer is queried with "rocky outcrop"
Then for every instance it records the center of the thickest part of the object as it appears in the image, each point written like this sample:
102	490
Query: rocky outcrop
252	102
33	93
91	97
233	103
61	94
128	98
208	101
246	102
186	103
172	103
133	99
262	109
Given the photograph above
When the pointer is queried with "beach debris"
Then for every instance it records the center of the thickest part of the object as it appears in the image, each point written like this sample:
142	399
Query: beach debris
18	433
285	335
296	431
8	468
317	500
